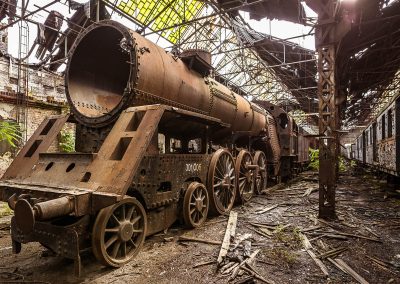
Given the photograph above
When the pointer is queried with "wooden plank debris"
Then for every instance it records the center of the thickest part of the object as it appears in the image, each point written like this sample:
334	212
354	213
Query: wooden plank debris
357	236
332	253
333	236
198	240
309	191
247	260
240	239
203	263
259	232
257	276
308	247
380	263
350	271
310	229
267	209
372	232
229	235
336	264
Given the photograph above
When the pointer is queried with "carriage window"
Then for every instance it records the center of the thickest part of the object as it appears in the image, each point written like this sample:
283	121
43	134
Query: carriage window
390	123
161	143
194	146
176	145
383	121
370	136
366	138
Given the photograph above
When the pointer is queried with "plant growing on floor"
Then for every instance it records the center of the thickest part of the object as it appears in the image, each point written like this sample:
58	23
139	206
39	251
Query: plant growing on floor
5	210
314	159
67	141
10	132
342	165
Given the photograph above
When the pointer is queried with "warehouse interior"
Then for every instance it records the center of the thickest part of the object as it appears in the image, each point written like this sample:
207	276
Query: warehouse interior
328	69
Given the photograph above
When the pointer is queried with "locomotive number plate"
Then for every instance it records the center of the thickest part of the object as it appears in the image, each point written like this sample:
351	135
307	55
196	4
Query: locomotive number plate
194	167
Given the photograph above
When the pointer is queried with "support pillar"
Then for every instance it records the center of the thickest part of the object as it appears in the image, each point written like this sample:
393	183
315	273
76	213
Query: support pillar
328	143
328	112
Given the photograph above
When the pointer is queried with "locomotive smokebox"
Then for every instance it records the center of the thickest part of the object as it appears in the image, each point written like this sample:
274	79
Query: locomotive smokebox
112	68
98	75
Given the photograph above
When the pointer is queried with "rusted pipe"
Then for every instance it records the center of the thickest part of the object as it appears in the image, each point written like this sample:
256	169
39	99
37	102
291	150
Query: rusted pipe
26	215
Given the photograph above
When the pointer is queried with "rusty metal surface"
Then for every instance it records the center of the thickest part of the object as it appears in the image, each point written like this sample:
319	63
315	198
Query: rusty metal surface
65	239
261	173
221	182
195	205
284	127
326	40
39	142
245	176
135	71
119	232
303	145
198	60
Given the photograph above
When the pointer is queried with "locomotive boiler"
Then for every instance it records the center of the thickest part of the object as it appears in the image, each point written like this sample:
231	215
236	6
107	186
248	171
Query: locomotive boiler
157	140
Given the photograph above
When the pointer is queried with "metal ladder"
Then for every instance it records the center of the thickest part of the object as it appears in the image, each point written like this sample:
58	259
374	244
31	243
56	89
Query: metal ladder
23	78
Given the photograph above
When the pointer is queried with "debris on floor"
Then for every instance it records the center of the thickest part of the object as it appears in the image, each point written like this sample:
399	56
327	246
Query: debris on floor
275	238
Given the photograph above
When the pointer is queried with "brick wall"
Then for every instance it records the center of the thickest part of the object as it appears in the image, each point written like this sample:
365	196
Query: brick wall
43	86
46	97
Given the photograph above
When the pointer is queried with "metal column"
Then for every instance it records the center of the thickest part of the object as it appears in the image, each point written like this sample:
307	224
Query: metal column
328	111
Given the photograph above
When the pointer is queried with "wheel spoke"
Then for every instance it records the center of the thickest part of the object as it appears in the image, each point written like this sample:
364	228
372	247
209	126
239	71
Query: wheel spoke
115	219
137	231
110	241
220	172
196	217
130	213
123	212
218	184
123	249
133	243
134	221
112	230
115	249
227	198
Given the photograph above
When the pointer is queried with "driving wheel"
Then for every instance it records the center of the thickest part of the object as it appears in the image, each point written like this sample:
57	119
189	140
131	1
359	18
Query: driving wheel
221	182
195	205
245	173
119	232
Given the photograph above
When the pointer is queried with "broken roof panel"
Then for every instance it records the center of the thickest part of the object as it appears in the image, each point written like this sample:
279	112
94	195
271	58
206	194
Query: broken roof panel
288	10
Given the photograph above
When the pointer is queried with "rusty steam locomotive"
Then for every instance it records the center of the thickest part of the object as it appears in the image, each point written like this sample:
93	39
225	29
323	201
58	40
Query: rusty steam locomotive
157	140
